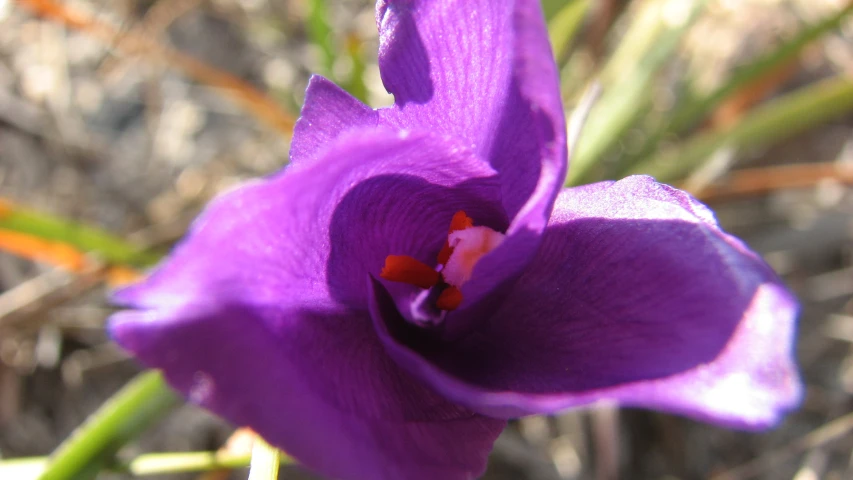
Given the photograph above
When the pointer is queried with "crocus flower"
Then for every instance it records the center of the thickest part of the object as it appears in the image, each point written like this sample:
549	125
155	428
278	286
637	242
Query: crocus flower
417	275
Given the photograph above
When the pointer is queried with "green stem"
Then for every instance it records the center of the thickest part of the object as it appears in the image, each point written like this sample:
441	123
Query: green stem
781	118
134	408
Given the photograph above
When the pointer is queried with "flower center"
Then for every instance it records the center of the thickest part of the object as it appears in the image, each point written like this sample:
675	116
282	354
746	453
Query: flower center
468	247
465	246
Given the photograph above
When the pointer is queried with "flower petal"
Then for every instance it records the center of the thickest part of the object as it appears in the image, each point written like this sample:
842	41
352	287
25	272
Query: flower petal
328	113
260	313
483	71
636	296
317	232
321	387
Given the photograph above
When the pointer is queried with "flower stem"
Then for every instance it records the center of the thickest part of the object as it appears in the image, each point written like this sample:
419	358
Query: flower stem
134	408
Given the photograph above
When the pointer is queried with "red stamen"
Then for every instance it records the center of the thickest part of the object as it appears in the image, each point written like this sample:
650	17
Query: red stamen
460	221
449	299
405	269
444	254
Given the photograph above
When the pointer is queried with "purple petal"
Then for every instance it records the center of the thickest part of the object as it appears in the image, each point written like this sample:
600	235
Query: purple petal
328	113
260	313
320	386
636	296
319	231
479	69
483	71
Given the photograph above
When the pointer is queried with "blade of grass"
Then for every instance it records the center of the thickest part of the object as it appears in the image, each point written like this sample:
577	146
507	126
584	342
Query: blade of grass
697	107
22	468
265	461
143	465
787	115
244	94
355	85
564	27
551	8
693	111
62	237
577	119
601	23
168	463
134	408
627	80
320	32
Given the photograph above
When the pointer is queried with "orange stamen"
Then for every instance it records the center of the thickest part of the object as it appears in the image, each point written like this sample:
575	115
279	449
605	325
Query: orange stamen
460	221
449	299
405	269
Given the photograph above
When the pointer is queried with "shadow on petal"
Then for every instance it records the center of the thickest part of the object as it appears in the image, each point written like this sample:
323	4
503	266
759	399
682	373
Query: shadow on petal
641	311
399	215
322	388
403	59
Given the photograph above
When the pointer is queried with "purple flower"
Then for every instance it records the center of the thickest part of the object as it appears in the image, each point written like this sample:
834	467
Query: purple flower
417	274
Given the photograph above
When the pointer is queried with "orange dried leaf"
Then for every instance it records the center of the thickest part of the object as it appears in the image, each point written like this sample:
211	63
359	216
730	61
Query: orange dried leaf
5	208
40	250
120	276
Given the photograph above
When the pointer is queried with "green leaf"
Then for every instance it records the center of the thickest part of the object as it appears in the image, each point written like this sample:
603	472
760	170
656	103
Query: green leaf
129	412
785	116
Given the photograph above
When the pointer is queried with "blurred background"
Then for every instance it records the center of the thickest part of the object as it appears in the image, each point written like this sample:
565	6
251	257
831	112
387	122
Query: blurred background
120	119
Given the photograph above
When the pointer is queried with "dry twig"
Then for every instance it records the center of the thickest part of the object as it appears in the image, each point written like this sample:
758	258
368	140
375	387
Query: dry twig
763	180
